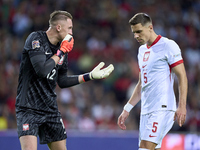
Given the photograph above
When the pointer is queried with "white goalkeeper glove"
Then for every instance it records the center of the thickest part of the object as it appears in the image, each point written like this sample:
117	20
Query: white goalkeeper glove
98	73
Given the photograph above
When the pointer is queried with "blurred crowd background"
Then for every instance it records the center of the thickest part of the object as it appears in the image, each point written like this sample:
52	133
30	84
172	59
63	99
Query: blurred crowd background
102	33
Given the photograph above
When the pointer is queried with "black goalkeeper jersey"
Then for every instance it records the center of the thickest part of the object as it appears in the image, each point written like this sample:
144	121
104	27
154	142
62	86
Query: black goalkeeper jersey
37	92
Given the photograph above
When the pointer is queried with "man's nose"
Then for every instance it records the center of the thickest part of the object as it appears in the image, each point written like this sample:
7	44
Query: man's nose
136	35
70	32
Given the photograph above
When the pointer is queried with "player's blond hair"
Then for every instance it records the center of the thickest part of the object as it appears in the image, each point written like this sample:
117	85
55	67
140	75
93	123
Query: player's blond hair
59	15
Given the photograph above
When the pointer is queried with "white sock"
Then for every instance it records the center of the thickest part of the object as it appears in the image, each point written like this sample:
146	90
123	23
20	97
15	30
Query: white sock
143	149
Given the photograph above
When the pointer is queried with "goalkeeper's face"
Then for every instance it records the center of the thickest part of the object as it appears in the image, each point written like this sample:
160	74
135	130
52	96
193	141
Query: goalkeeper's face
66	28
141	33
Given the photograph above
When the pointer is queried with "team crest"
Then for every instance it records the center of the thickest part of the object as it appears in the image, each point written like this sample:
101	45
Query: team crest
35	44
146	56
25	127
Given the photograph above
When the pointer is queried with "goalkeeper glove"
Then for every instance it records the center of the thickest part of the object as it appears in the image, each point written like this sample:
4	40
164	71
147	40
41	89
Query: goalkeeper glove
98	73
66	45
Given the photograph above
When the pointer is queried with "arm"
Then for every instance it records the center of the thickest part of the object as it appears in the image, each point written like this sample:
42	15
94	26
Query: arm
180	113
67	81
42	66
97	73
135	98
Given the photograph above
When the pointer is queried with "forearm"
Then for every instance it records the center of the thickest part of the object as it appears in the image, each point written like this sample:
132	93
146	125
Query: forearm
68	81
136	96
181	111
183	85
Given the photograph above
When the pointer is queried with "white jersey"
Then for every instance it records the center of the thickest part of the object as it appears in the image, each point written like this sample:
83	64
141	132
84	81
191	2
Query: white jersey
155	63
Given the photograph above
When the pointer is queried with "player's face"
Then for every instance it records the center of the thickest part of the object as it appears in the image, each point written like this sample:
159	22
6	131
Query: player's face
66	28
141	33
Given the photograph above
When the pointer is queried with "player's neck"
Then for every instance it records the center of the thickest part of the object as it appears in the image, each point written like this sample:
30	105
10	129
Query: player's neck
51	36
152	39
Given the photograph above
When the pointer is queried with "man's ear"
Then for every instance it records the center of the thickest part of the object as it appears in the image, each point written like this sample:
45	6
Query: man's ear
151	27
58	27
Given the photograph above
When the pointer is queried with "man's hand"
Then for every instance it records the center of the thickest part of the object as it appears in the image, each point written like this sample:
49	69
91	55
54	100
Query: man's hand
67	44
98	73
180	114
122	118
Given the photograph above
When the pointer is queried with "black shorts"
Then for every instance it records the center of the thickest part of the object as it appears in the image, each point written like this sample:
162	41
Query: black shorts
49	126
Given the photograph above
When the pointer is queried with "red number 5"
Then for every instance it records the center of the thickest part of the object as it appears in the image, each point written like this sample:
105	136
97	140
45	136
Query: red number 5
154	127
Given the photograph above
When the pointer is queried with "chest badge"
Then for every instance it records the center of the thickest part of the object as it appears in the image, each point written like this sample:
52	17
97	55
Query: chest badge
146	56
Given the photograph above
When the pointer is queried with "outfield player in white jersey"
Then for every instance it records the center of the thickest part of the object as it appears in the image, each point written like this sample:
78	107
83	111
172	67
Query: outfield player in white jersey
159	59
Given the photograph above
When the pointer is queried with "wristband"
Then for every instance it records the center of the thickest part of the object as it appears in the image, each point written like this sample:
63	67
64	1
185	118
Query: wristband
59	53
128	107
86	77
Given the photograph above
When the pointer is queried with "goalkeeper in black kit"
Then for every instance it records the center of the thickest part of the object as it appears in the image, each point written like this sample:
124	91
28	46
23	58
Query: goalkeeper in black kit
44	64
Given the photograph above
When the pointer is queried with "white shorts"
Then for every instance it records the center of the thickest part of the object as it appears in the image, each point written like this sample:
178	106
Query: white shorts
154	126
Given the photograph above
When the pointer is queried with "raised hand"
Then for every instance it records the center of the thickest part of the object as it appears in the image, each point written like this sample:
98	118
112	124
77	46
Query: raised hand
98	73
67	44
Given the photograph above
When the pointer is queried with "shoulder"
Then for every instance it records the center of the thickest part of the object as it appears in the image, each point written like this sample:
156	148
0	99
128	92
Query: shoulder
169	45
169	42
34	40
33	35
173	51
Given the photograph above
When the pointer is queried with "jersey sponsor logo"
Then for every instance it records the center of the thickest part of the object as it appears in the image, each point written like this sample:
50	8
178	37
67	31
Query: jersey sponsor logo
25	127
61	60
47	53
151	136
146	56
35	44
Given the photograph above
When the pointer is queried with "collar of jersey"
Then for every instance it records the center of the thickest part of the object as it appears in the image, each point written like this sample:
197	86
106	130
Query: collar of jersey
156	40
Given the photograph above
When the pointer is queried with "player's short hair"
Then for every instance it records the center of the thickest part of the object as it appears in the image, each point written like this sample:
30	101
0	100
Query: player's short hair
59	15
142	18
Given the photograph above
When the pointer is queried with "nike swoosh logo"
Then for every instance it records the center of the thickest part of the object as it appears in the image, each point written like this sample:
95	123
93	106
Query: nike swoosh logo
144	66
151	135
47	53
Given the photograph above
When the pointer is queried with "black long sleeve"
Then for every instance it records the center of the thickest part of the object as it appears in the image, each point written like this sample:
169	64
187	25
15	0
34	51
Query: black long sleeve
65	81
41	66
